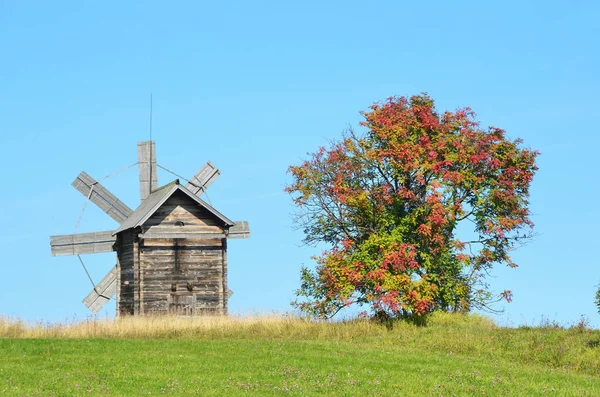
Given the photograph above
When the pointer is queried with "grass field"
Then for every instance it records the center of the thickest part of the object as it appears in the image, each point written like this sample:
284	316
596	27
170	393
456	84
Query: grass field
452	355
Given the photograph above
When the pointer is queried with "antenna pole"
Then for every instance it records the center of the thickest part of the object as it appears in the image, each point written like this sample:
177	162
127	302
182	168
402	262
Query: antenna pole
151	145
150	116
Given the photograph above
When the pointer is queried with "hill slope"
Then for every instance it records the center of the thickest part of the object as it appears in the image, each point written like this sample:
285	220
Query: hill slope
453	355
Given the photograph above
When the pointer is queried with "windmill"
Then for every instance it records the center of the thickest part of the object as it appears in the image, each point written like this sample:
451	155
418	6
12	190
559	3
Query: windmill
171	250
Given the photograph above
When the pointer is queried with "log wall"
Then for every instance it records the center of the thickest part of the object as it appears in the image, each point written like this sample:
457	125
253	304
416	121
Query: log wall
126	255
185	276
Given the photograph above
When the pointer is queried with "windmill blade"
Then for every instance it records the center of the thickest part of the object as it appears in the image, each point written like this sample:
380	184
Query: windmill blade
103	292
147	166
241	229
100	196
203	179
82	243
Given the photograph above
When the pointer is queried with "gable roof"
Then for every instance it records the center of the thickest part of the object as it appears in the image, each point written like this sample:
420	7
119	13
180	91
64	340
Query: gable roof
157	198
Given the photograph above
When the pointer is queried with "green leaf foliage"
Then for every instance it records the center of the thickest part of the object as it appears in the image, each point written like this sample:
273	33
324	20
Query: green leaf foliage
390	202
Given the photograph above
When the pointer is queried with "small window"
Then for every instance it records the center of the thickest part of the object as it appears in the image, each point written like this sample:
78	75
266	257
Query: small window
179	223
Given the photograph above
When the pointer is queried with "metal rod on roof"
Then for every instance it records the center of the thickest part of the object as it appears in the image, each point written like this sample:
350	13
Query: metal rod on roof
150	116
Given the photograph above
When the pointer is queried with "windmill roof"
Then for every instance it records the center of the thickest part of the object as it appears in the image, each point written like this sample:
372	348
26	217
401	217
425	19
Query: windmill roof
157	198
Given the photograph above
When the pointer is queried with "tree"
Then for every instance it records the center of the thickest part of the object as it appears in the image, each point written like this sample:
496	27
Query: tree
392	202
597	301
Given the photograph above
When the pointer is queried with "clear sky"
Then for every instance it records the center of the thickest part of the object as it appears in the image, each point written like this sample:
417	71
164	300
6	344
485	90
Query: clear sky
253	86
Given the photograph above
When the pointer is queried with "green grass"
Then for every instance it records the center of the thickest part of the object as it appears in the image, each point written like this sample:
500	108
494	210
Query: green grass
453	355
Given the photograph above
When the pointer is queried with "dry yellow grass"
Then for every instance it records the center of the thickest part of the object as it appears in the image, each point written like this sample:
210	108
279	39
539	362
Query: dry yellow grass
236	326
159	327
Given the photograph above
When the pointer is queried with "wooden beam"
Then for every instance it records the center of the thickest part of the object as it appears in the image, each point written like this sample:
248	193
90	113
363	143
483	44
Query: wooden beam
82	243
147	167
181	235
103	292
203	178
100	196
241	229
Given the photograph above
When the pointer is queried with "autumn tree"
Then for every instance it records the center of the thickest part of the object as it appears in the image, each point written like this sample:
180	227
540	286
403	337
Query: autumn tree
396	206
597	301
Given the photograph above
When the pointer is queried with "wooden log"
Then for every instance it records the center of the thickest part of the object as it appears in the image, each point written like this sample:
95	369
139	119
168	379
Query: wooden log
154	235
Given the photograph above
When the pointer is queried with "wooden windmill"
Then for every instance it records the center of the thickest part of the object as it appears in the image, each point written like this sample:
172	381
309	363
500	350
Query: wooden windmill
171	251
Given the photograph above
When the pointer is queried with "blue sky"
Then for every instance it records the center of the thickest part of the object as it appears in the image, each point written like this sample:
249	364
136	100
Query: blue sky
253	86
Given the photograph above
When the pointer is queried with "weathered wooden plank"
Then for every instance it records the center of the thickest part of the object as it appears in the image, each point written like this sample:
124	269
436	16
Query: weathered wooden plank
168	242
166	263
182	227
224	287
100	196
194	253
104	287
198	262
208	300
181	214
209	309
193	232
159	281
180	235
155	293
187	275
170	220
126	259
103	292
241	229
166	271
168	266
137	288
147	168
203	178
82	243
92	248
82	238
